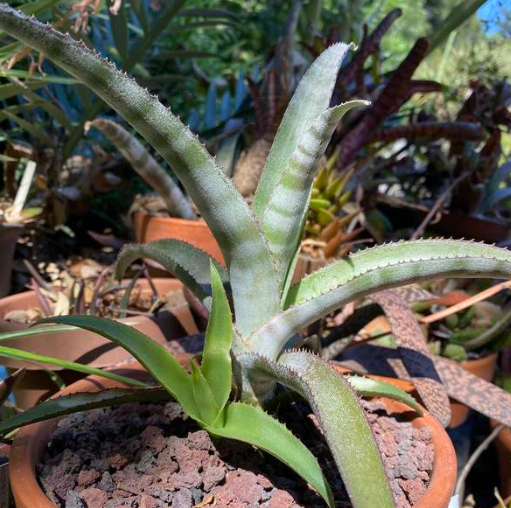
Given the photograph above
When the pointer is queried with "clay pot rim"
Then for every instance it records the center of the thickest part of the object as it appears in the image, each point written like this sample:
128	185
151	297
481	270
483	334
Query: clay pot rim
31	441
194	223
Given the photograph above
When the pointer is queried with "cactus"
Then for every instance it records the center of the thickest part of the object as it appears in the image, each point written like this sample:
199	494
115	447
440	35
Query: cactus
260	246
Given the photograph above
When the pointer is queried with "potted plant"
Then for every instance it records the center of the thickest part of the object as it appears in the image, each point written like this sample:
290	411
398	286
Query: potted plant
183	222
156	307
259	247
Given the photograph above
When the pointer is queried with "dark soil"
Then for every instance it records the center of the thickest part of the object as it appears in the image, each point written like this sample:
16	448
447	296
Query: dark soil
152	456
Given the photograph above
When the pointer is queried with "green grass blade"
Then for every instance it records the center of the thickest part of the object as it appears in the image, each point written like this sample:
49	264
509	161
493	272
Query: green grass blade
68	404
19	354
189	264
154	357
42	330
367	387
203	395
216	359
252	425
311	99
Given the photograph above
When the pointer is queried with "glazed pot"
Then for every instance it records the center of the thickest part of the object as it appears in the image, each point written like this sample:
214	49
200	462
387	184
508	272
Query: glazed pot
82	346
31	442
9	235
195	232
483	368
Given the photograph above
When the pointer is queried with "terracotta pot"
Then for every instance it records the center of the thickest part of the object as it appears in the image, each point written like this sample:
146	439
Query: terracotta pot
195	232
5	490
483	368
31	442
503	447
83	346
9	235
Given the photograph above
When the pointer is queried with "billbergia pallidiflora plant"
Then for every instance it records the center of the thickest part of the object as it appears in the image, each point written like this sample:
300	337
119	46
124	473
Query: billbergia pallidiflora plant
250	350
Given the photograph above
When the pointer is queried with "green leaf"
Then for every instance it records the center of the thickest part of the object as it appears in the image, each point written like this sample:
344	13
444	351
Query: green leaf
367	387
44	330
459	14
36	131
119	24
68	404
204	399
374	270
340	417
154	357
289	199
252	425
19	354
216	359
11	89
9	383
189	264
311	99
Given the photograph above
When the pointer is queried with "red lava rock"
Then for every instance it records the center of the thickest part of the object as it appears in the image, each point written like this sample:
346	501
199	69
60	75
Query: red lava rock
245	486
281	499
117	461
152	456
212	476
87	477
152	437
94	498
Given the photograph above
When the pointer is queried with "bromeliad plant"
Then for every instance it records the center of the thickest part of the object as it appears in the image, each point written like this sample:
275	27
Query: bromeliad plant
260	246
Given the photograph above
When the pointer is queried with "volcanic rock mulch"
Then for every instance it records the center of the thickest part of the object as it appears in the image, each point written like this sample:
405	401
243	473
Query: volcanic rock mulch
152	456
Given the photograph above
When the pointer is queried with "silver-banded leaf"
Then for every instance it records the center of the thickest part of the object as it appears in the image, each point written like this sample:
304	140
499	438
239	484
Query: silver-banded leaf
311	99
252	425
340	416
289	199
247	256
374	270
68	404
189	264
204	399
147	167
216	359
19	354
368	387
154	357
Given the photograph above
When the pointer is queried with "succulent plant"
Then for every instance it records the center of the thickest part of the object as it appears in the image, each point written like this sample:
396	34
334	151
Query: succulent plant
249	346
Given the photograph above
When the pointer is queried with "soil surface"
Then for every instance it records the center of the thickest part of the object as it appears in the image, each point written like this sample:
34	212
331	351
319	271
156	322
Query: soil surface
153	456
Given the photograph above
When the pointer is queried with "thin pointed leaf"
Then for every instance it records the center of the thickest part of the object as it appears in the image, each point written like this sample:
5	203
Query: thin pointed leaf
19	354
367	387
204	399
119	26
9	383
252	425
189	264
374	270
289	199
311	99
153	356
216	359
30	332
68	404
